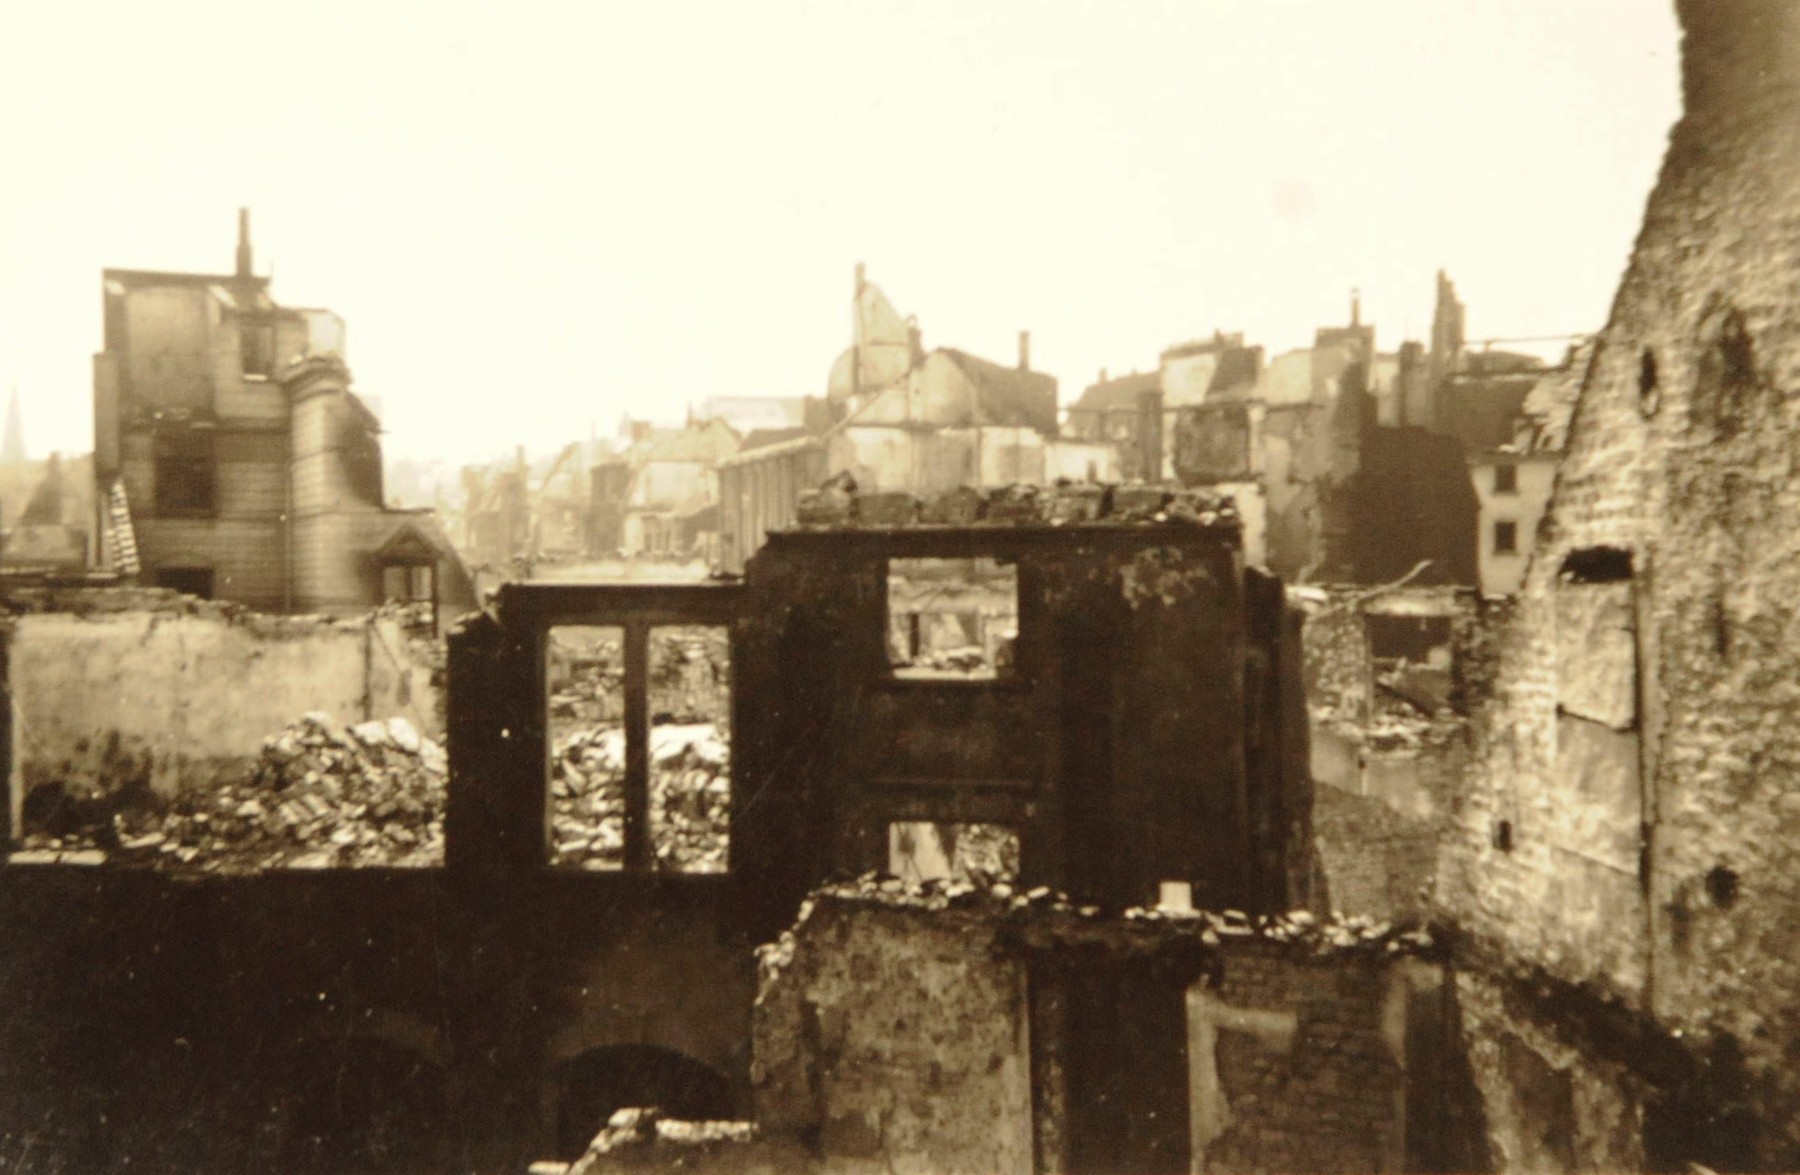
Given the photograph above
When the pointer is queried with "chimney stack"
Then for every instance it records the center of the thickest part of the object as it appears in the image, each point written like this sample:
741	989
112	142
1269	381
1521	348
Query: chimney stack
243	249
1024	350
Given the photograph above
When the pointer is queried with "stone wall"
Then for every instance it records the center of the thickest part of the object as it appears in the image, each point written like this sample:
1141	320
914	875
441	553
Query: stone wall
1632	823
894	1038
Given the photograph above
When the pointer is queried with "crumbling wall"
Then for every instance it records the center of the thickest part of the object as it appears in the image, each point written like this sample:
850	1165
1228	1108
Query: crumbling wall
150	688
959	1028
1632	823
1389	742
898	1042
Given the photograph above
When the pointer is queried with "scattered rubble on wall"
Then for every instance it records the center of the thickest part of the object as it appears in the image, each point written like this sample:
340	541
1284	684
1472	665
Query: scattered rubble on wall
838	504
320	796
1043	917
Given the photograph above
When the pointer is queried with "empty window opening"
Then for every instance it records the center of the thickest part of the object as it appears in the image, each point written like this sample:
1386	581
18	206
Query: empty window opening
1506	538
412	588
186	473
690	748
1503	836
1597	565
258	348
952	619
1421	640
585	679
921	851
1506	479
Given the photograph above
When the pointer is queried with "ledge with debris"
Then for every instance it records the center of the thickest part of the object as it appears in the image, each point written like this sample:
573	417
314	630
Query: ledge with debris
1041	919
839	504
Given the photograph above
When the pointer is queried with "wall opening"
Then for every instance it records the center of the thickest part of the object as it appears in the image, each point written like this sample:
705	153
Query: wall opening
1423	640
1722	886
1597	565
1649	394
189	581
690	747
922	850
597	1084
585	681
952	619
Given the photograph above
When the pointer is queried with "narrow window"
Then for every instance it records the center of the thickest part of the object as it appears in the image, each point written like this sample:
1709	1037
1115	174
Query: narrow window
1506	479
952	619
585	671
1506	538
690	748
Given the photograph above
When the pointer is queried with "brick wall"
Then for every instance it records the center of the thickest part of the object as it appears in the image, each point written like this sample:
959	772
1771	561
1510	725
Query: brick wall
1650	842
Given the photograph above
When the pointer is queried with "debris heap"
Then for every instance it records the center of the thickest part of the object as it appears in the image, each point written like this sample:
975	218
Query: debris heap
690	798
321	796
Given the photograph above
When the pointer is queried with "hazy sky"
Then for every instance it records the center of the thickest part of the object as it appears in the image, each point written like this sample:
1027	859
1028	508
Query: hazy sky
538	216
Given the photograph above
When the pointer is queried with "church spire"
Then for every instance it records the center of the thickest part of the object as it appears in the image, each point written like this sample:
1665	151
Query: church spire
12	448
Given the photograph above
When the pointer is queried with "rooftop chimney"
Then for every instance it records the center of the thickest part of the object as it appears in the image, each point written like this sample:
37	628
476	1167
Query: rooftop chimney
861	279
243	249
1024	350
1355	307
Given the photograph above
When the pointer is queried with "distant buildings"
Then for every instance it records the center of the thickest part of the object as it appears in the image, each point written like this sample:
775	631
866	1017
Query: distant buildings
1348	464
232	461
901	418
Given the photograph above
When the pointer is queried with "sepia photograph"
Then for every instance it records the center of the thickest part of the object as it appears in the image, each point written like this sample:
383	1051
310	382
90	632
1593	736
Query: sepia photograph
900	587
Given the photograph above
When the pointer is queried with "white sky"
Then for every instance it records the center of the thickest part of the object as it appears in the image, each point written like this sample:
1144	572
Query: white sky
538	216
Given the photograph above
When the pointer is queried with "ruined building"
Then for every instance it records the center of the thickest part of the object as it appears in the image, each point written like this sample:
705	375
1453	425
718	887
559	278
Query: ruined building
232	460
1334	483
1627	836
1119	718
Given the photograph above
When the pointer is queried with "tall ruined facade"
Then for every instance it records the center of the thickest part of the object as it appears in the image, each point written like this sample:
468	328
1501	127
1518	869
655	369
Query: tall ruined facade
232	460
1628	834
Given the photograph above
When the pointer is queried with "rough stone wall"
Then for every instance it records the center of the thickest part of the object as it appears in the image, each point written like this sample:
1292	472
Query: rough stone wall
1645	778
150	687
901	1041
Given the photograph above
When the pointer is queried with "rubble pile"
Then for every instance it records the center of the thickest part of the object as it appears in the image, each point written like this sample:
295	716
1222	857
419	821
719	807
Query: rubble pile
1049	917
690	798
320	796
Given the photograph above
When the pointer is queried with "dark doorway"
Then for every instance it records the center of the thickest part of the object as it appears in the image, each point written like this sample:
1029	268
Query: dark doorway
191	581
599	1083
